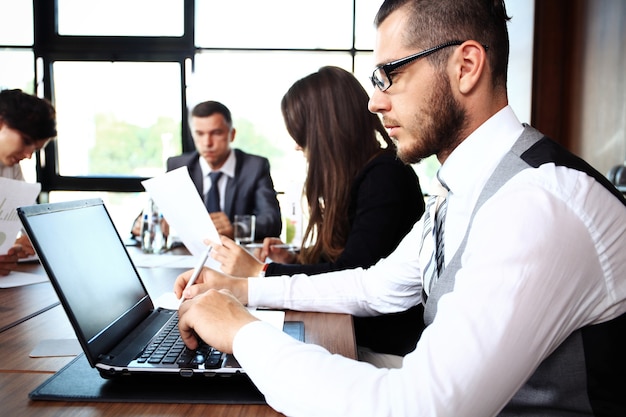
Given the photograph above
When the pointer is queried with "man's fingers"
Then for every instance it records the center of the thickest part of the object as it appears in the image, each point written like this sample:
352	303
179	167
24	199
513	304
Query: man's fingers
187	332
181	282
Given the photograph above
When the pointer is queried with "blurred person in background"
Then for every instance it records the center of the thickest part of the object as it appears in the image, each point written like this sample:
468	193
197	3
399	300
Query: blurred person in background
243	180
27	124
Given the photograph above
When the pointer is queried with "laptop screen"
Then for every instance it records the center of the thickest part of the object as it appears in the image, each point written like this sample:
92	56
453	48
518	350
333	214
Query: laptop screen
83	251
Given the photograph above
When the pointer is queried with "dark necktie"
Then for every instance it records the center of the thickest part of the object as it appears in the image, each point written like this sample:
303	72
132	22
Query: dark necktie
440	215
212	200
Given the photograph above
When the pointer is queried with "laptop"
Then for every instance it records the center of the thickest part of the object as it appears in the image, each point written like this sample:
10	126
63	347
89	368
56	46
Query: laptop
115	320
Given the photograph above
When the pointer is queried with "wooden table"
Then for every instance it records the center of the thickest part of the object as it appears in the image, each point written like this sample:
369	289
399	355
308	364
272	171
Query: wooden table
19	303
33	315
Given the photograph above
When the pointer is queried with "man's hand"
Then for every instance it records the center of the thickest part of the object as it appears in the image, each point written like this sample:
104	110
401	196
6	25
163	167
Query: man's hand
214	316
25	247
8	262
222	224
21	249
211	279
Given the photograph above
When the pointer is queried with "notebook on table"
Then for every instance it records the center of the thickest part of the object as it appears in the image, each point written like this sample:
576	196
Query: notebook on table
116	322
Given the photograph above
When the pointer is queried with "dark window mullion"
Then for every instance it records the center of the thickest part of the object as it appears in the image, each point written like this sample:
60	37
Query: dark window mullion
51	47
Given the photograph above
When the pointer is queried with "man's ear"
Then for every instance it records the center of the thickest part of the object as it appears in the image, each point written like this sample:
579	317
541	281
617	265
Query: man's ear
470	61
233	131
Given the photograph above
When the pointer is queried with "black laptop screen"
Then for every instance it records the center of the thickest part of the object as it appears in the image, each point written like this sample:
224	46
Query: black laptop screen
90	264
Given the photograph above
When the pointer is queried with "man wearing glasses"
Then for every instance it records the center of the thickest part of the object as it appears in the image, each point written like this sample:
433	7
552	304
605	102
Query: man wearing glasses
525	309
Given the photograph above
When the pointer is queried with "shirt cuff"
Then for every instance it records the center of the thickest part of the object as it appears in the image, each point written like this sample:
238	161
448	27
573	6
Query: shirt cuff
246	344
266	292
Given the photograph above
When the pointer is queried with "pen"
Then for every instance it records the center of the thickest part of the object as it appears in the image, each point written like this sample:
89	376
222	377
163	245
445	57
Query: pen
197	269
278	246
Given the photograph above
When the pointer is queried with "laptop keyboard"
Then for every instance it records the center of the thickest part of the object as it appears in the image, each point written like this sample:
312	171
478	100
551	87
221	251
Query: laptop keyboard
168	348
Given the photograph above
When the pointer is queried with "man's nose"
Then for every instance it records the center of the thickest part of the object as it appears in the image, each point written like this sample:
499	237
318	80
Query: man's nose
28	152
379	102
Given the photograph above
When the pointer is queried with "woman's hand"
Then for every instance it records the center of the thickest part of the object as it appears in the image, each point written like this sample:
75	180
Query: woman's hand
235	259
273	249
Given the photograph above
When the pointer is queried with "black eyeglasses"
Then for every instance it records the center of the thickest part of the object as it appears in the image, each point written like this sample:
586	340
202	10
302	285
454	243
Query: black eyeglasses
381	77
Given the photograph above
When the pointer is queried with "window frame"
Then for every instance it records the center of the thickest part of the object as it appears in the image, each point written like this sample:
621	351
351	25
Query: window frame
50	47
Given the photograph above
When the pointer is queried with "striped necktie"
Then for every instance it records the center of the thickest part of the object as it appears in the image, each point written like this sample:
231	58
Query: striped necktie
212	200
432	251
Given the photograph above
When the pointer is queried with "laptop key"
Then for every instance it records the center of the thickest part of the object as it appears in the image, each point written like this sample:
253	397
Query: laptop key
214	360
168	348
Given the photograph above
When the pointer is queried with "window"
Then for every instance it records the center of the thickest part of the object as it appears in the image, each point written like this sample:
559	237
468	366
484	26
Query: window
323	24
255	67
127	124
17	62
20	31
121	17
256	112
123	74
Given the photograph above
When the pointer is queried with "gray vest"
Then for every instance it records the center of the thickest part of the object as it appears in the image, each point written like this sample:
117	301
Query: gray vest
585	375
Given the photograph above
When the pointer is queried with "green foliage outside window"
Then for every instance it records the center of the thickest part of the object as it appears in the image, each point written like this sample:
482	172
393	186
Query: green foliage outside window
122	148
249	140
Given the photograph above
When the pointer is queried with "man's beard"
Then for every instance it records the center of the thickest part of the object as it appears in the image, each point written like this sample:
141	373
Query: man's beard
438	129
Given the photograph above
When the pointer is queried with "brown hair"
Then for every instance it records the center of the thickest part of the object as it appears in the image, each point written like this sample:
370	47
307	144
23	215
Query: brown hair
326	114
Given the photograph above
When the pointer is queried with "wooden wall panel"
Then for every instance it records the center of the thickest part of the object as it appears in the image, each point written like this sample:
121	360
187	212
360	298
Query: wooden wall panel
600	131
579	73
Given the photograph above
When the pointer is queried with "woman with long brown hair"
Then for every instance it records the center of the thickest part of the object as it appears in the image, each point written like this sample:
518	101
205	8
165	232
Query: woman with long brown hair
361	199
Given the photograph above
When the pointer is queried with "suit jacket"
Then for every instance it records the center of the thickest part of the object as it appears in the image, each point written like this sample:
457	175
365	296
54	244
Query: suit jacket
251	191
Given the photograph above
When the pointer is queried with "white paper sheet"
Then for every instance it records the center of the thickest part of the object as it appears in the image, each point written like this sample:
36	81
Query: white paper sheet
182	207
13	194
56	348
167	260
20	279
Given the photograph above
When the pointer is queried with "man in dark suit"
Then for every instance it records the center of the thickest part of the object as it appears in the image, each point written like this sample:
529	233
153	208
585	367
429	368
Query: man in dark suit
243	181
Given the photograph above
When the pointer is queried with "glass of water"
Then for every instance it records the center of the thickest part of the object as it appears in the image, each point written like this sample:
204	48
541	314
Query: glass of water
244	228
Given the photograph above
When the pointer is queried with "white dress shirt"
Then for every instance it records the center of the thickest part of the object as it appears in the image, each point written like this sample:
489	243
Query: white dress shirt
13	172
545	256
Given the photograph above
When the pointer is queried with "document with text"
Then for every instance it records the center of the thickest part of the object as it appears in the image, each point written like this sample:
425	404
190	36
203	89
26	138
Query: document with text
14	194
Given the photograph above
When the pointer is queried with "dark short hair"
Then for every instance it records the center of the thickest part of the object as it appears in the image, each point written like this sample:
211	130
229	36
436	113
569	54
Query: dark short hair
32	116
432	22
208	108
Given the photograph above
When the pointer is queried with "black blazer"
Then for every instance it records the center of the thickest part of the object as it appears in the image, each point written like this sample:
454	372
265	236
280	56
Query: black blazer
385	202
251	191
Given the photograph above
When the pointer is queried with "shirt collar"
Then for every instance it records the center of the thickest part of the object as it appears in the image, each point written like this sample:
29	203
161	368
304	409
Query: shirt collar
228	168
469	166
